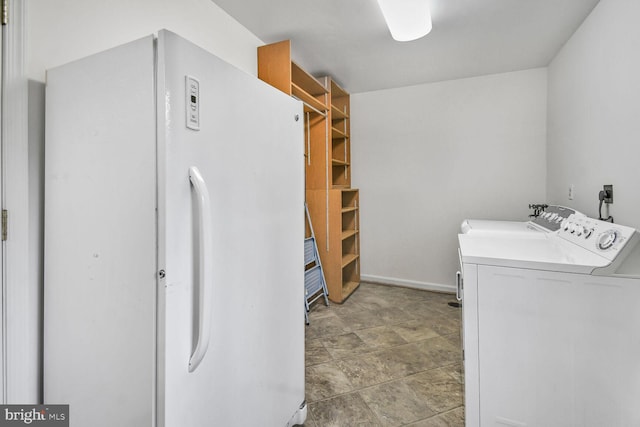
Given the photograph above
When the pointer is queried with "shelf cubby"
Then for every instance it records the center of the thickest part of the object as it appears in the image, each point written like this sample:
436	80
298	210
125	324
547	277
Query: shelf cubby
276	68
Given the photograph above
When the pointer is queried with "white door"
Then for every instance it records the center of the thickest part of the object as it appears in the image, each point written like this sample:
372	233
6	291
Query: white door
249	155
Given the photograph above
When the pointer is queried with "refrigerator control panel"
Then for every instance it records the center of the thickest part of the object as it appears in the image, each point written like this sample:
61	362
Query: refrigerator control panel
193	102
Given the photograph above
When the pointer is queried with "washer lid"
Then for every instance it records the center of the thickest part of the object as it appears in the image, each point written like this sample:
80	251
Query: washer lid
496	227
544	252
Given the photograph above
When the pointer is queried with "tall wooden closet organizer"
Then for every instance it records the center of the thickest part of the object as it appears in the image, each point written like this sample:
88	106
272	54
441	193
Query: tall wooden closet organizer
333	204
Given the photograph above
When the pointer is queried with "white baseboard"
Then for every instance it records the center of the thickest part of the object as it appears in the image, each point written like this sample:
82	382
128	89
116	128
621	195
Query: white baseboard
425	286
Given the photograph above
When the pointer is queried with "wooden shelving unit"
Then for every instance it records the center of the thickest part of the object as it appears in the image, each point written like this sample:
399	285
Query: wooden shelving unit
333	204
336	222
340	134
350	210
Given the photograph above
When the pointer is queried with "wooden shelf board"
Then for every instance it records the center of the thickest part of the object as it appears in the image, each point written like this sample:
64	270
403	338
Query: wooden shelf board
348	233
307	98
338	162
306	81
349	209
337	91
338	114
348	259
274	65
308	109
338	134
348	288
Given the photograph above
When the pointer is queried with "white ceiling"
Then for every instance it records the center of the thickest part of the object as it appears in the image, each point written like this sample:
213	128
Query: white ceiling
348	39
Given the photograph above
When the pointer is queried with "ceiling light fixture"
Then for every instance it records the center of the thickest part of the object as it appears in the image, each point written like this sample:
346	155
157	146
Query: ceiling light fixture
407	19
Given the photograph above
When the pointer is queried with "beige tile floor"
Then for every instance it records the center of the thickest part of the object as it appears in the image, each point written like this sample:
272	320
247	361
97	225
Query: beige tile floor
388	356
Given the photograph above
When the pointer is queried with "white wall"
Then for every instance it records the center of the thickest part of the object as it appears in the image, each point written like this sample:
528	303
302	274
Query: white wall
57	32
594	113
426	157
63	30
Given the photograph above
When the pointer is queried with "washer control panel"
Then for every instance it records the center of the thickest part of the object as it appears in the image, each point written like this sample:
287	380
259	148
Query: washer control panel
553	216
603	238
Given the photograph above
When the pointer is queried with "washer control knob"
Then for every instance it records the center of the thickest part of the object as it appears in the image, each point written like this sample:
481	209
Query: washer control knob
607	239
588	232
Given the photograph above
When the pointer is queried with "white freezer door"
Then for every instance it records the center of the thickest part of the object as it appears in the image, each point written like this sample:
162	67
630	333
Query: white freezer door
249	153
100	237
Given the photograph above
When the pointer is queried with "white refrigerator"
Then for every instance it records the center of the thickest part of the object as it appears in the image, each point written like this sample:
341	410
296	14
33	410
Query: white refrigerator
174	230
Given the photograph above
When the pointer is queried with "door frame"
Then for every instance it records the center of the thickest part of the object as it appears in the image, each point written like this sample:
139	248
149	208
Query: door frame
3	367
21	287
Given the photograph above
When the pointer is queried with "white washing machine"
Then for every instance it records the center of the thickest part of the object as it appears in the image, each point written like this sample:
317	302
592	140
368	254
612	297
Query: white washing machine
550	326
547	221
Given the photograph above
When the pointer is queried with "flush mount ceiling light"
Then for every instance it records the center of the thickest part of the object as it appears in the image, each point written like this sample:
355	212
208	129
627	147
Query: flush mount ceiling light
407	19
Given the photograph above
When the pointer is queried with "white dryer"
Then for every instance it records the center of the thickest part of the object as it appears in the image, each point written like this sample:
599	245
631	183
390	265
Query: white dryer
550	326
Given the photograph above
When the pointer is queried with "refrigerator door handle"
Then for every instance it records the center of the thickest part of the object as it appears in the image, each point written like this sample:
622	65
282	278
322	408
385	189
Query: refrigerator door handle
204	266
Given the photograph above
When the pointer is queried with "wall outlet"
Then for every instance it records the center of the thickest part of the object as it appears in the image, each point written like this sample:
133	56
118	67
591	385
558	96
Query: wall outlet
608	194
572	190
